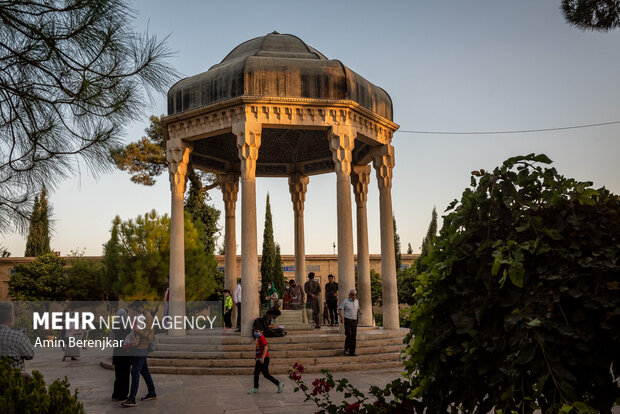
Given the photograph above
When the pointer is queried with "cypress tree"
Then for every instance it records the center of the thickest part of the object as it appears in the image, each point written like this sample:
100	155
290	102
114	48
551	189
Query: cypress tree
268	261
428	244
38	242
409	249
111	262
279	272
203	215
397	252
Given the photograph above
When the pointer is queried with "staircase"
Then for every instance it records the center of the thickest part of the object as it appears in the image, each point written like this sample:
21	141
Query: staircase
227	353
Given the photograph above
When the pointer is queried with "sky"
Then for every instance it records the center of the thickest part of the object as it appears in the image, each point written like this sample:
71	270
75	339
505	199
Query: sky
449	66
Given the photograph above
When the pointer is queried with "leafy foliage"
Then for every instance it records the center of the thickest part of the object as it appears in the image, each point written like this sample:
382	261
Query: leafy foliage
202	214
145	159
406	284
592	14
22	394
72	75
139	251
38	241
519	310
43	279
521	307
376	287
85	279
270	272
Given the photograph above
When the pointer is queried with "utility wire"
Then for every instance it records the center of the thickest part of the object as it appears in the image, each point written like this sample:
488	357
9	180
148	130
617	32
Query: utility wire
517	131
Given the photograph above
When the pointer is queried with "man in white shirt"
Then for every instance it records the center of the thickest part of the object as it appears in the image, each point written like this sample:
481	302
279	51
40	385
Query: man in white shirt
349	310
237	302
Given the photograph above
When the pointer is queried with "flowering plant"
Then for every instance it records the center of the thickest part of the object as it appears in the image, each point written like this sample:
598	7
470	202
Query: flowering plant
319	392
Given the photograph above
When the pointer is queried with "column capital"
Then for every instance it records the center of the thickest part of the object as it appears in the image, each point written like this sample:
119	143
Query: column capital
248	142
383	160
341	142
360	178
177	157
230	189
297	185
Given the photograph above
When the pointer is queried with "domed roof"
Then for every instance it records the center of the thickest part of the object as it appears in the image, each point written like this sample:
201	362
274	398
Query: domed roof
277	65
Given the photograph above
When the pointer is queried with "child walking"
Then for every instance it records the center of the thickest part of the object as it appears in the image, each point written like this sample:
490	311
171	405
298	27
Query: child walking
262	361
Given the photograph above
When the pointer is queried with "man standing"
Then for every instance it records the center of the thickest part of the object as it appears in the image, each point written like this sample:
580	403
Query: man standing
237	301
331	298
143	329
312	289
13	343
349	309
298	295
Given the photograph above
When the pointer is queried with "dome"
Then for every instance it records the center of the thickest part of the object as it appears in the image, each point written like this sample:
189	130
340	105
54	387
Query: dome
279	66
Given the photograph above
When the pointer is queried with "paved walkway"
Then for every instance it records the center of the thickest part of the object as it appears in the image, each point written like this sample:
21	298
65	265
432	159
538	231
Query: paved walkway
180	394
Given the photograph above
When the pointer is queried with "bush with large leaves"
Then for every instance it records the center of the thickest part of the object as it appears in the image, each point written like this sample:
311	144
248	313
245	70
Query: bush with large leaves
521	307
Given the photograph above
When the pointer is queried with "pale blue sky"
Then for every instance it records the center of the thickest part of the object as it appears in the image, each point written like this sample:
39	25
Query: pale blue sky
448	66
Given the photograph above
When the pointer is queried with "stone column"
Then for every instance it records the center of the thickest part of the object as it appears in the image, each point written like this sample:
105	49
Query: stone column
177	156
360	177
298	185
341	141
230	188
383	160
248	141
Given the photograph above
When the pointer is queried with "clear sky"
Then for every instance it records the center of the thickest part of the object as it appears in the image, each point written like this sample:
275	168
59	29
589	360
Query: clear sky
448	66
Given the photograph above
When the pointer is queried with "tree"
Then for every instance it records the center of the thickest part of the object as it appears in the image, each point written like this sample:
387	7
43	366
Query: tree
520	310
43	279
85	279
376	288
397	253
145	159
38	242
142	255
202	214
72	74
279	281
409	249
600	15
111	262
428	243
269	269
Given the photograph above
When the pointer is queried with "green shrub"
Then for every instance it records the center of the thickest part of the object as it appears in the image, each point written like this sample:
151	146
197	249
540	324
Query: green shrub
20	394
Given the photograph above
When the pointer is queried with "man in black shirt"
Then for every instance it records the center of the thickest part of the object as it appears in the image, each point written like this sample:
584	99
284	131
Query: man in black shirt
312	289
331	297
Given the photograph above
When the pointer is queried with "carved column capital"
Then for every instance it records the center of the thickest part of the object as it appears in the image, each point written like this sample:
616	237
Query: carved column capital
177	157
383	160
248	142
360	177
297	185
341	142
230	189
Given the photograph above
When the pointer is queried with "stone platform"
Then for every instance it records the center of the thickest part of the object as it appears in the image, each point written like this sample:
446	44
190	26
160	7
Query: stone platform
221	352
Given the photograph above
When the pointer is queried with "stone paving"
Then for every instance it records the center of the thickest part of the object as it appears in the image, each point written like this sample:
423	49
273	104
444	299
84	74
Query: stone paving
180	394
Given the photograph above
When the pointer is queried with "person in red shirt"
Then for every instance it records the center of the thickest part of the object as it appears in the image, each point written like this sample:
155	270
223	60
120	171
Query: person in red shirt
262	362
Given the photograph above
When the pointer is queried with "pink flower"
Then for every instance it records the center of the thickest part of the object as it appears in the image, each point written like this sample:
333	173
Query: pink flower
315	382
352	408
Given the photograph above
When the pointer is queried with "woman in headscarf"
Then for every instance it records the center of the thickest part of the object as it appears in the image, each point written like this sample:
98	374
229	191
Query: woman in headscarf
272	295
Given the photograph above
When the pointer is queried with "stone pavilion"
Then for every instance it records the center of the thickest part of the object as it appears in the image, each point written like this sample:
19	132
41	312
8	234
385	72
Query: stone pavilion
276	107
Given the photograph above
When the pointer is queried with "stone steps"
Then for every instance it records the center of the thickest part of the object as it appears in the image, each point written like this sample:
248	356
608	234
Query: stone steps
225	352
275	352
167	347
